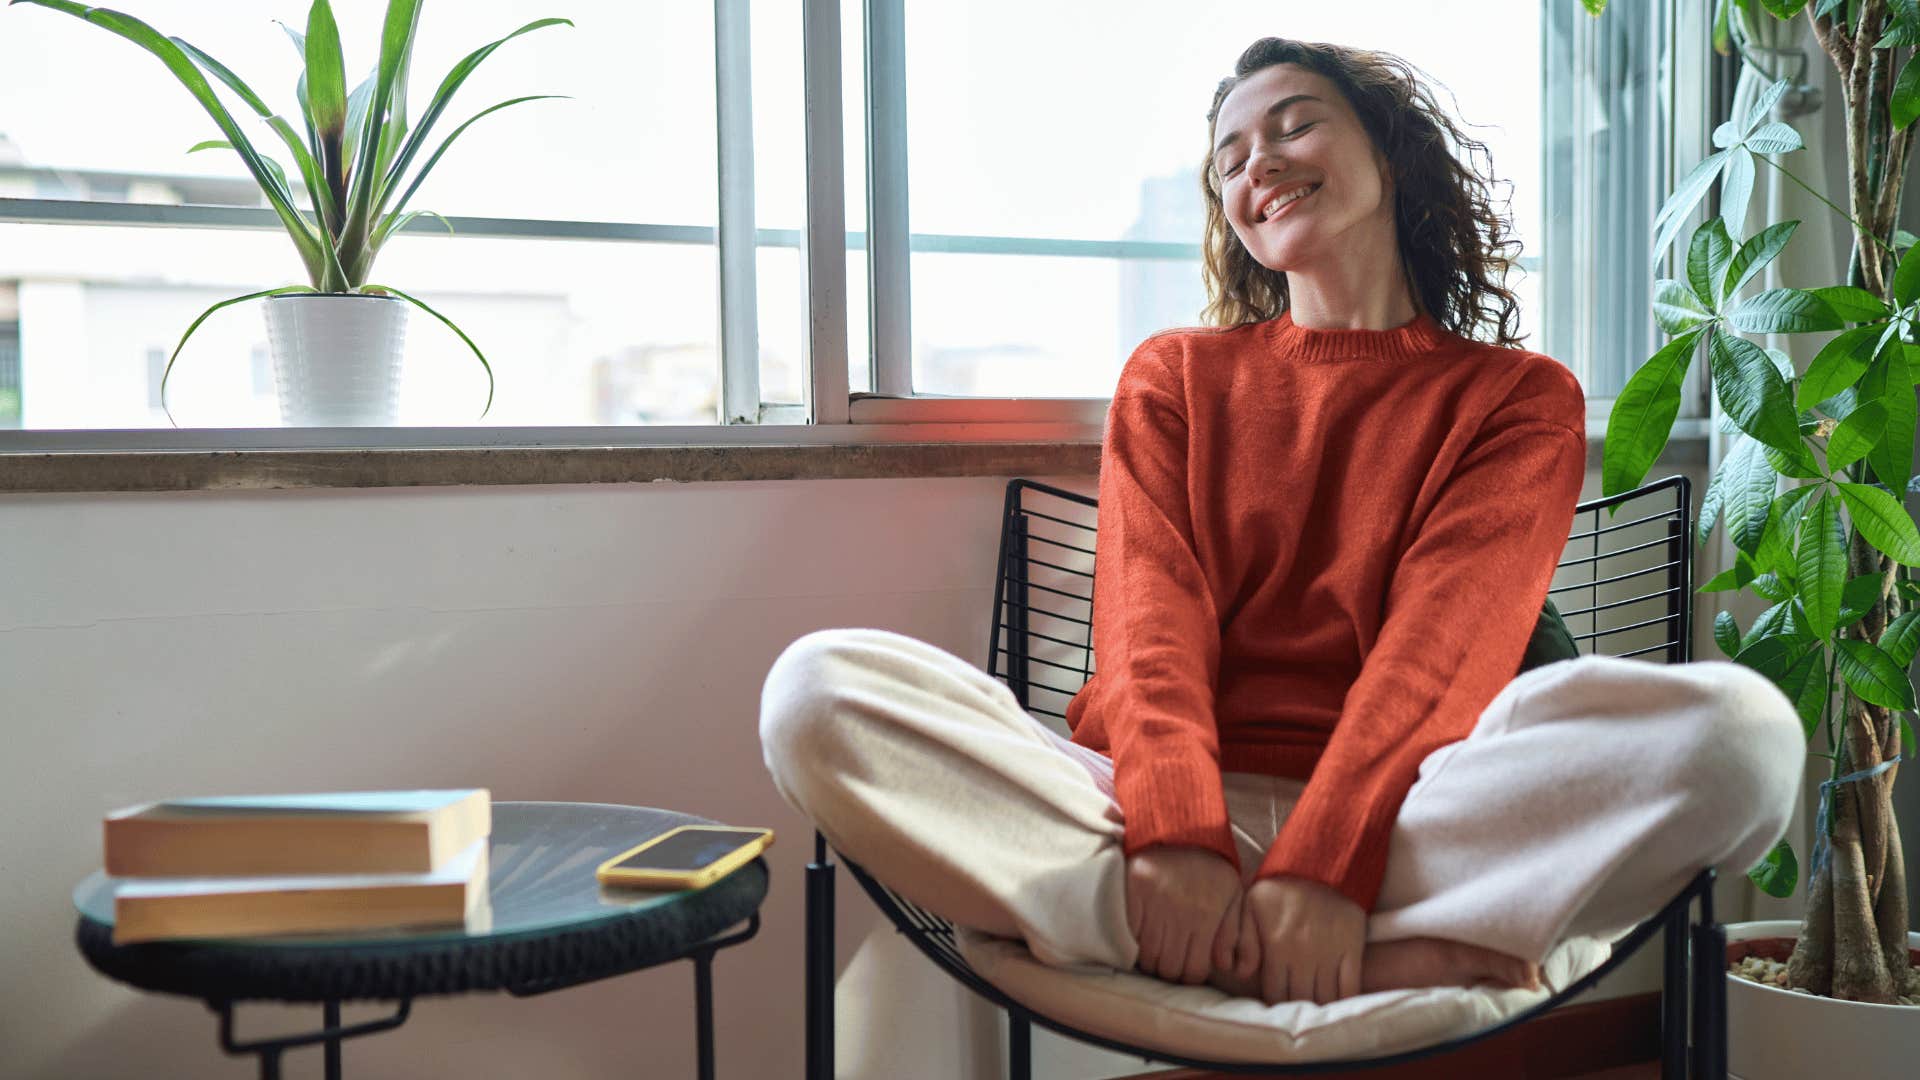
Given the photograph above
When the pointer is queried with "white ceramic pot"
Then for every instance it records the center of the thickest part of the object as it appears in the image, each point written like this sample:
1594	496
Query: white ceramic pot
1779	1035
336	358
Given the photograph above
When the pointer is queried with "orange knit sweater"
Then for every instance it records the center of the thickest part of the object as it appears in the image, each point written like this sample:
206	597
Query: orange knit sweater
1321	553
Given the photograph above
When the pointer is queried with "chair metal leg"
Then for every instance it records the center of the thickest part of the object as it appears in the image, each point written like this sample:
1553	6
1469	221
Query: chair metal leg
819	989
1674	986
1709	990
1019	1048
331	1048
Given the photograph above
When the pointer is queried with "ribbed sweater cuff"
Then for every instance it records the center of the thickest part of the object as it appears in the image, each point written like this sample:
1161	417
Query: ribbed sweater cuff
1174	798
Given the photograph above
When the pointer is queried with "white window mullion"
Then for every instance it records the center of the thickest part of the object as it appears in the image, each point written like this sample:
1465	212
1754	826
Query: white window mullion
739	289
889	257
826	239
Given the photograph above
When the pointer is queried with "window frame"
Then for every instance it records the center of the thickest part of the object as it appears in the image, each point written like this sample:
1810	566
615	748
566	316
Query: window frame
833	414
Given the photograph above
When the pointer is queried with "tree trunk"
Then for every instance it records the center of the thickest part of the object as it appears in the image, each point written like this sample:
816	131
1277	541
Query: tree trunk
1852	943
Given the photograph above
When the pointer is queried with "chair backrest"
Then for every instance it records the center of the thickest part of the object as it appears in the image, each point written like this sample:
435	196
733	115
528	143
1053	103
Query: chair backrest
1623	586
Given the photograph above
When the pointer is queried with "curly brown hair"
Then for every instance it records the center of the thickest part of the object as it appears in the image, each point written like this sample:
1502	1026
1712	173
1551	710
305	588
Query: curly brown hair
1453	242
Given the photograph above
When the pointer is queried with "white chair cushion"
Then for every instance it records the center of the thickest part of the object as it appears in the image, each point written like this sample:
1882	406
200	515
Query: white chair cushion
1205	1024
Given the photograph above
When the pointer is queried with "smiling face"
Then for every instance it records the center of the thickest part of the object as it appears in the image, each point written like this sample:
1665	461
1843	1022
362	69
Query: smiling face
1287	131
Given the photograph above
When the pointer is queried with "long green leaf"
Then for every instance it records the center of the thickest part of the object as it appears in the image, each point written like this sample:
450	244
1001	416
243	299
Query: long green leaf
449	323
327	96
1905	106
1679	205
1750	484
1675	307
1750	388
1901	638
1755	254
1726	632
1707	257
184	69
1774	138
1736	188
1856	435
1883	521
279	172
1889	383
396	45
1906	278
1782	311
1873	675
303	158
195	325
1642	418
417	138
1853	304
401	204
1821	557
1839	364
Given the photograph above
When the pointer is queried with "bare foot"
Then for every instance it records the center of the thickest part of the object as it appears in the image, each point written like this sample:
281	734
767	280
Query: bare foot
1417	962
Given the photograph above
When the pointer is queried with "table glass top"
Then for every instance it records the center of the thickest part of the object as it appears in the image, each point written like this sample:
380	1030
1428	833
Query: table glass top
542	857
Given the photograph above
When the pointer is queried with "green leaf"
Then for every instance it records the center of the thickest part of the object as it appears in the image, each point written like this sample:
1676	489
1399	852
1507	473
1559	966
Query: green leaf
1858	597
1751	390
401	204
396	46
1901	638
183	69
1709	507
1906	280
1905	106
1680	205
1813	688
273	166
1873	676
1707	257
1736	188
1883	521
1839	364
1738	576
1594	7
1889	383
449	324
1764	103
1770	587
1643	414
1772	655
1798	462
1755	254
1854	436
441	98
1675	307
1902	239
1774	138
1749	491
167	373
1852	304
1779	872
1726	632
1783	311
1821	557
1906	737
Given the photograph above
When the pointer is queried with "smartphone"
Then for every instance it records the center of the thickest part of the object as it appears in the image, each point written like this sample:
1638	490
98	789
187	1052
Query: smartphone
689	857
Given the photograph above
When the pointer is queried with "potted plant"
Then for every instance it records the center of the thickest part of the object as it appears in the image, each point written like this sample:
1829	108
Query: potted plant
336	340
1834	551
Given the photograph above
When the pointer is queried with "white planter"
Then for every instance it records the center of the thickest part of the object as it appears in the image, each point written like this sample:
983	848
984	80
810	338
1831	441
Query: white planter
1779	1035
336	358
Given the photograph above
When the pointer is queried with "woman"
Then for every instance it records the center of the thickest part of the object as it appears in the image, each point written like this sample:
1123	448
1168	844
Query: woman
1327	523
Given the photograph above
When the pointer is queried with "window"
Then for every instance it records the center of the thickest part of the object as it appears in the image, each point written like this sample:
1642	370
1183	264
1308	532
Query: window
638	256
1621	117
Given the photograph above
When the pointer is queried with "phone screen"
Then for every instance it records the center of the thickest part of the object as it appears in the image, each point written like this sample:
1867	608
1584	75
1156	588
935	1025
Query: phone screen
689	850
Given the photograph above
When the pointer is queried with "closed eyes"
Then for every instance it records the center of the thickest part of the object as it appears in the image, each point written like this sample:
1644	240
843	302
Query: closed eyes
1288	135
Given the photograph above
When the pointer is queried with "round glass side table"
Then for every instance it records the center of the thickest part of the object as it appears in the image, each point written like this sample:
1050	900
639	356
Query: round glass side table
551	925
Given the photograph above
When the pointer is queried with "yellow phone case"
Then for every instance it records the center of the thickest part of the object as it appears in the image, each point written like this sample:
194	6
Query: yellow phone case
683	879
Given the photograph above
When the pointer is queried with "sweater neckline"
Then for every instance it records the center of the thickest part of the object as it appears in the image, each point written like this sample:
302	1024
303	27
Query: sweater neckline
1411	339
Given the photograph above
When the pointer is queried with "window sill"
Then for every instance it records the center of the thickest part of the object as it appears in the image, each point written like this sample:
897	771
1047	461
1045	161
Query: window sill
385	467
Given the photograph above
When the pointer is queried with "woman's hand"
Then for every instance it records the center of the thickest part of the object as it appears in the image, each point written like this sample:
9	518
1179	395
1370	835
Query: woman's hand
1311	939
1184	909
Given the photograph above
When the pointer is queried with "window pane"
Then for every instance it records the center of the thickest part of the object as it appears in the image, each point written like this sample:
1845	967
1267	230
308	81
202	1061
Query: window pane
578	332
1007	140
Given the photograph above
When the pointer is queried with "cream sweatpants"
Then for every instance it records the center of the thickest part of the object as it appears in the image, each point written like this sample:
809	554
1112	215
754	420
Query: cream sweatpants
1589	791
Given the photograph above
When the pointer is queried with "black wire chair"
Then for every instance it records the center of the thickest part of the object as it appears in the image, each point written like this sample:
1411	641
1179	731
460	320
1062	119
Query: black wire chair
1633	577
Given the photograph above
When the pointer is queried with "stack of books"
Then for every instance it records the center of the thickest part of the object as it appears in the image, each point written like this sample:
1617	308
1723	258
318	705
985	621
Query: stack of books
241	866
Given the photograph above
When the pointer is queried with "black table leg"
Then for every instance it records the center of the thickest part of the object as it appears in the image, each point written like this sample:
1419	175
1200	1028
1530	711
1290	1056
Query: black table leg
332	1046
703	1010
